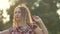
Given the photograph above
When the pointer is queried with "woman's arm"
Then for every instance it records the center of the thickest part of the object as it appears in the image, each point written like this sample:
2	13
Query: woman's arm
38	30
6	31
44	29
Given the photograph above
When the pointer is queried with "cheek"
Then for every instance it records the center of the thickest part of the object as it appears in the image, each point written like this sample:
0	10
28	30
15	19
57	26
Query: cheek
19	15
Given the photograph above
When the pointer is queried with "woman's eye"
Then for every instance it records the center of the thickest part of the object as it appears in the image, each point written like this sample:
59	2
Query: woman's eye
15	12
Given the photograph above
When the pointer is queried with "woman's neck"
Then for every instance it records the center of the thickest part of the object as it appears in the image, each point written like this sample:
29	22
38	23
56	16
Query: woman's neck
22	24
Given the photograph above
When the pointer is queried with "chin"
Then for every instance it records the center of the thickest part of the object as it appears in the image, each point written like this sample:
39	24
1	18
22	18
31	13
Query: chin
17	19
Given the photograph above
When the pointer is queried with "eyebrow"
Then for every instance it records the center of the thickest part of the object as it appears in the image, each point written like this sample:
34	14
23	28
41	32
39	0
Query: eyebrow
18	11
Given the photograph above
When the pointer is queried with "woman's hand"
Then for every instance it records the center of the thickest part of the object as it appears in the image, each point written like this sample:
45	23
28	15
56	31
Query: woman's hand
42	26
36	18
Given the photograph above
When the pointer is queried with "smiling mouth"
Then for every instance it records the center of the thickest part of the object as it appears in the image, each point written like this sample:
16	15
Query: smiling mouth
16	17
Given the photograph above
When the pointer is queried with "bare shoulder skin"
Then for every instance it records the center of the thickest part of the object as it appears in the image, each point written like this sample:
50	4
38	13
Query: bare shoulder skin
5	31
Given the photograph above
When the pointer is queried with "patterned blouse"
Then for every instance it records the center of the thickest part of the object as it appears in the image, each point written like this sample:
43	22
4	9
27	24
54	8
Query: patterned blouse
28	30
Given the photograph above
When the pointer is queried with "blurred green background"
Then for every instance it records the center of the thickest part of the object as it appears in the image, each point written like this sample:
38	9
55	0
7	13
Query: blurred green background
48	10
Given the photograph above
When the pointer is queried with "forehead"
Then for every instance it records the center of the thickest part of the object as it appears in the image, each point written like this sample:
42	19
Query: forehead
17	9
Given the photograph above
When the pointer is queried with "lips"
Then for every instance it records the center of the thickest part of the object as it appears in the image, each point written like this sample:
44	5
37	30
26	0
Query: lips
17	17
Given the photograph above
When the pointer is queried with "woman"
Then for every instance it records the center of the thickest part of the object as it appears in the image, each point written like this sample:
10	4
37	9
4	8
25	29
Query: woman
23	23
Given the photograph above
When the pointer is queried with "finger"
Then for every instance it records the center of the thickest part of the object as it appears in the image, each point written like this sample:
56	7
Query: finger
34	16
37	17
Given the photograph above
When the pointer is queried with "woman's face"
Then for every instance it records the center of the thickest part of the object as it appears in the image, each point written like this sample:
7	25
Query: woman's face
17	14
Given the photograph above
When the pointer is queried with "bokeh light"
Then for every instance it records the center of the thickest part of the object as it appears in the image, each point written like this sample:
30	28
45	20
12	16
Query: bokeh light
58	11
4	5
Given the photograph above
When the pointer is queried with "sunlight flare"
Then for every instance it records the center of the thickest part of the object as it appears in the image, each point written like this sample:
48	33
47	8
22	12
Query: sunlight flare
4	5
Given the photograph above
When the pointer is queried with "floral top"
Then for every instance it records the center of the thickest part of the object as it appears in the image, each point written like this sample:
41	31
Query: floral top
28	30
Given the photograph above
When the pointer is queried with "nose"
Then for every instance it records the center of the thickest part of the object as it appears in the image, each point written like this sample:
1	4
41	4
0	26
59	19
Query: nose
17	14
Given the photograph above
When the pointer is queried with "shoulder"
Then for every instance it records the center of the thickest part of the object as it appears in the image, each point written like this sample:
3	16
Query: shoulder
5	32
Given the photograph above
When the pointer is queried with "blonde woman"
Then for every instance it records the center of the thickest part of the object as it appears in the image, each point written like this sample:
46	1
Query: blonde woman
23	23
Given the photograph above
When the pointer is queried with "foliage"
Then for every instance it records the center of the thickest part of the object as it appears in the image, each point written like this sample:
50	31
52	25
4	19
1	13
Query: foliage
47	10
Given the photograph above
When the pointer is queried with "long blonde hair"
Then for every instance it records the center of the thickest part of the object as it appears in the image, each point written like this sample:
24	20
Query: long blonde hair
26	18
